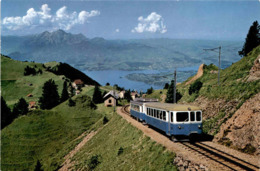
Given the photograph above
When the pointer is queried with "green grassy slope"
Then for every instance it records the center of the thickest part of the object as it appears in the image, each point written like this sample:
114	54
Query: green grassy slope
233	87
139	151
232	79
15	85
45	135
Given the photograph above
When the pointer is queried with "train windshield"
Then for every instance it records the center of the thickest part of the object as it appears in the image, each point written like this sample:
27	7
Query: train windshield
198	116
182	116
192	116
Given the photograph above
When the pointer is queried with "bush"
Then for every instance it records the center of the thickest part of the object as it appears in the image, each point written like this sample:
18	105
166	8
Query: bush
71	103
94	161
195	87
29	71
105	120
85	101
120	151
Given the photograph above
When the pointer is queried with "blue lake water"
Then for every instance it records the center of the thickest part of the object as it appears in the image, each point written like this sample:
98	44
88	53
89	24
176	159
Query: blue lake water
118	77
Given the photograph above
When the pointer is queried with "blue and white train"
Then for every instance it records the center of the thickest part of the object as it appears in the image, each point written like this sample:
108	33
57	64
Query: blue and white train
177	121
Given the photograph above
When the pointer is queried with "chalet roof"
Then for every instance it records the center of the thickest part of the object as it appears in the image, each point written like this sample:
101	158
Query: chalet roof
172	107
111	93
78	81
32	104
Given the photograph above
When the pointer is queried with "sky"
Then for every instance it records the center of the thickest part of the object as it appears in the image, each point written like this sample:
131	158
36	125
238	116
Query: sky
211	20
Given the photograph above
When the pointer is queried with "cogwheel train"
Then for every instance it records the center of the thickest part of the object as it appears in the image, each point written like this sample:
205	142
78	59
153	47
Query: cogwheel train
175	120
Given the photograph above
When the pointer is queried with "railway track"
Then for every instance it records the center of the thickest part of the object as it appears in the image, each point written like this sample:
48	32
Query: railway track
225	161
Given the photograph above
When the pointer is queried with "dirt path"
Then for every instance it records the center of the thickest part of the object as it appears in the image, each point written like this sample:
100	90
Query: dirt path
67	163
182	151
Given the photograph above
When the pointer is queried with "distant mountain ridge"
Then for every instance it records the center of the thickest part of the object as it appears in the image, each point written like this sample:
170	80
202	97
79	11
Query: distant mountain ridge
101	54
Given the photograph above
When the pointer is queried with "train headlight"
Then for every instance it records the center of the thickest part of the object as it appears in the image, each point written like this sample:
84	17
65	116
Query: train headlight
179	127
199	126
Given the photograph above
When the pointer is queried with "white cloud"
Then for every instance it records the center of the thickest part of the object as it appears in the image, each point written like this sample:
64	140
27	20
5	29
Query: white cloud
117	30
43	18
153	23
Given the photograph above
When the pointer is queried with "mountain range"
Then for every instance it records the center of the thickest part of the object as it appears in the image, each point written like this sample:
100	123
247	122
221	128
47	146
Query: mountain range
101	54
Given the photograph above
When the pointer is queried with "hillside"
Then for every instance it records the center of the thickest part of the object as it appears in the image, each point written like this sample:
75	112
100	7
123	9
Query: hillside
15	85
102	54
46	135
220	103
126	148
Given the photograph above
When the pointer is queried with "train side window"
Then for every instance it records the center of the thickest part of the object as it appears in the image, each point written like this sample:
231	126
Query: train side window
161	116
164	115
198	116
171	116
148	111
192	116
182	116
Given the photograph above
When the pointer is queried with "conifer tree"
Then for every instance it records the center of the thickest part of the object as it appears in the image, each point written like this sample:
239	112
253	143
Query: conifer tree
128	96
50	97
169	96
252	39
64	94
20	108
97	96
6	114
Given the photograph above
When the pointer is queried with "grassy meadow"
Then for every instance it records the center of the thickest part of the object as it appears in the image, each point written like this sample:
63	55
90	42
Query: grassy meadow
15	85
120	146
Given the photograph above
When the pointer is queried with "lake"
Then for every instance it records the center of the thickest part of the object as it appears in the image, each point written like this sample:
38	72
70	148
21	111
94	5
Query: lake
119	77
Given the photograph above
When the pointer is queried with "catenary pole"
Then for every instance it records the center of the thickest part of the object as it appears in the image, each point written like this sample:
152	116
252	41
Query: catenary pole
174	87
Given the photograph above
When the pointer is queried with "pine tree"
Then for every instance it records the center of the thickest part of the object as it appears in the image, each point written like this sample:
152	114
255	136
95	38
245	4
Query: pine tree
20	108
252	39
128	96
64	94
149	91
6	114
166	86
50	97
97	96
169	96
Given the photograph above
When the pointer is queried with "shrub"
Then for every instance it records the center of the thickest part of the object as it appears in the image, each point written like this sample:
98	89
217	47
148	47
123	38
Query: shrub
94	161
71	103
29	71
120	151
105	120
195	87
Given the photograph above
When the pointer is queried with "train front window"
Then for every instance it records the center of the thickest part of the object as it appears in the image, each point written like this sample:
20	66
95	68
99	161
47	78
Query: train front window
182	116
192	116
198	116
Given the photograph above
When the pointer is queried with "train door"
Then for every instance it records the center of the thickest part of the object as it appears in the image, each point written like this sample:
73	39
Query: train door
169	122
192	124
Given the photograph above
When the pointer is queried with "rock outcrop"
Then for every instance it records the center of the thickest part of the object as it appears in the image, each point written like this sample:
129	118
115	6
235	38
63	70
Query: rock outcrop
255	70
242	130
